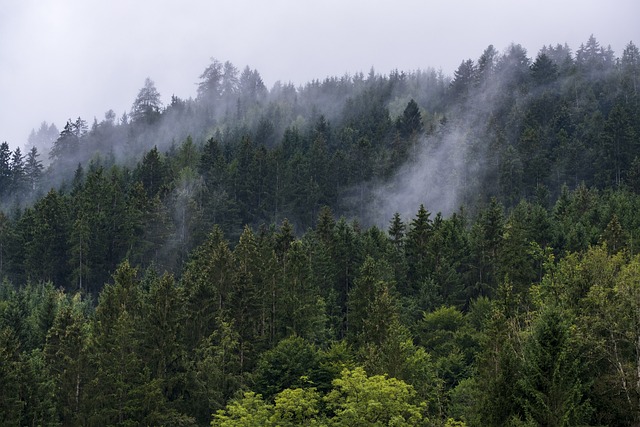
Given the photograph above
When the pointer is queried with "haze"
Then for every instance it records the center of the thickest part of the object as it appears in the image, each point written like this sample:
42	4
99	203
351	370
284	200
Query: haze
64	59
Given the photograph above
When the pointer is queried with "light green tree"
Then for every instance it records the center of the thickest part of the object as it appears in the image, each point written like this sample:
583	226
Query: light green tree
360	400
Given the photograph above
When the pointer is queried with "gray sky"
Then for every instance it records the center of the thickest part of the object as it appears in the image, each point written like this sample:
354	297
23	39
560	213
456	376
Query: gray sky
62	59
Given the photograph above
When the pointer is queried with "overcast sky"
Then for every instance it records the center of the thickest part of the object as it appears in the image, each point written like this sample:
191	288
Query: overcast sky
62	59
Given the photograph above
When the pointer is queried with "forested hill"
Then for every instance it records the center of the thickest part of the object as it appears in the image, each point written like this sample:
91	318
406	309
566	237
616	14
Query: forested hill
462	250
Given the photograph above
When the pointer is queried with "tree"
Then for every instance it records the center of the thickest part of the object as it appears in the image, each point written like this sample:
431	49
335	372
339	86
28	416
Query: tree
209	89
33	169
44	137
251	86
296	407
442	333
359	400
18	175
300	309
513	67
486	64
118	388
397	231
207	281
619	146
65	148
292	363
249	410
372	306
630	62
146	107
591	56
6	230
246	298
10	404
66	356
230	81
543	70
553	383
162	350
79	243
486	237
463	80
419	257
45	228
612	317
152	172
410	123
218	374
5	169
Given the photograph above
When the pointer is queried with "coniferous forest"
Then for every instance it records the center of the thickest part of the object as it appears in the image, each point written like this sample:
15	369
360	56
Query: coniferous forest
399	249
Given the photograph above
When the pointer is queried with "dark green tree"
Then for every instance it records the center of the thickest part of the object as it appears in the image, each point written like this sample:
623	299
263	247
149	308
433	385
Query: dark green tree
410	123
554	382
5	169
293	362
33	169
67	360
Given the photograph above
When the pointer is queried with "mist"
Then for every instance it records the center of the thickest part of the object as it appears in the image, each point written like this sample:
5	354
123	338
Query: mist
466	156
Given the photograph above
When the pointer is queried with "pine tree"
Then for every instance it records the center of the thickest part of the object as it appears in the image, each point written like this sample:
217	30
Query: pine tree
10	404
18	174
553	382
410	123
79	244
301	308
207	281
371	303
218	373
163	352
118	388
33	169
66	356
67	144
5	169
246	297
147	105
419	258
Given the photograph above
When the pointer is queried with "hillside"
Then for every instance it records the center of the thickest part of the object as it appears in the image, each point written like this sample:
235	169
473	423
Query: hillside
460	249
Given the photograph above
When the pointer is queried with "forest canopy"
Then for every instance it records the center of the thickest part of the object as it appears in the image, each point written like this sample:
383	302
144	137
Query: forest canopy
450	250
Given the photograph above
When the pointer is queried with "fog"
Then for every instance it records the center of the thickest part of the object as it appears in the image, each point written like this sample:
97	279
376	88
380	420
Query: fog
64	59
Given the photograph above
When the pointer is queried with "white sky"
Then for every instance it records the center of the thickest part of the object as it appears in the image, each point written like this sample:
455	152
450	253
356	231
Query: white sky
62	59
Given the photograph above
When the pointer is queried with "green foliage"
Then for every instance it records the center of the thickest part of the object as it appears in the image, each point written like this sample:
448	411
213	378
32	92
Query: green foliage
360	400
248	411
553	381
292	363
521	308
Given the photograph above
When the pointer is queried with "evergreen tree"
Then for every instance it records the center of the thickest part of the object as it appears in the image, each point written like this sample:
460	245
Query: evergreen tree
33	169
463	80
543	70
118	390
207	280
18	173
218	374
66	356
5	169
146	107
419	257
410	123
301	308
553	382
66	146
209	89
10	404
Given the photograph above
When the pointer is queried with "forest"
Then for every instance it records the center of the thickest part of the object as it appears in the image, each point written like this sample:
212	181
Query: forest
408	249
